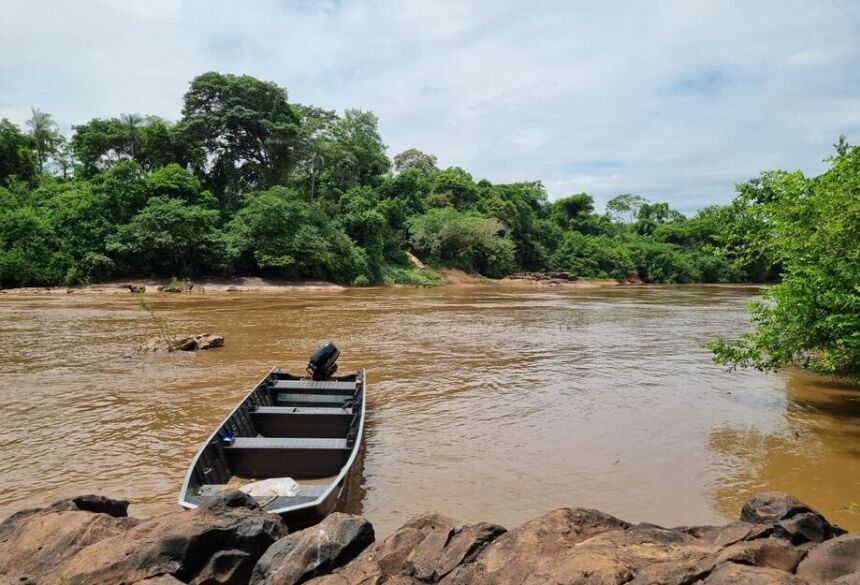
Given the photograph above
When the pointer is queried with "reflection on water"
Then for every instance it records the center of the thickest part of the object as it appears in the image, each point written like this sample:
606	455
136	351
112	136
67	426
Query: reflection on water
485	403
811	449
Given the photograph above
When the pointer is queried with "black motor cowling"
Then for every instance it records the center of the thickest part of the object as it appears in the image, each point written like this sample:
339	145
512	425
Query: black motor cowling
323	364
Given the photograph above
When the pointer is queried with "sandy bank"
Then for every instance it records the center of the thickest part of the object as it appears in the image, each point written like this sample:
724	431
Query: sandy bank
200	286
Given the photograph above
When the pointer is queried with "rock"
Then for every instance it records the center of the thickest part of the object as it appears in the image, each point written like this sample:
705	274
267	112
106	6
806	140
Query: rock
423	550
160	580
773	553
95	504
219	542
838	557
730	533
136	288
734	574
226	566
34	541
791	518
314	551
806	527
195	342
852	579
549	549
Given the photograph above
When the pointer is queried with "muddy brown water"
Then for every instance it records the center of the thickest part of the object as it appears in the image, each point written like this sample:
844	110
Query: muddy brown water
485	403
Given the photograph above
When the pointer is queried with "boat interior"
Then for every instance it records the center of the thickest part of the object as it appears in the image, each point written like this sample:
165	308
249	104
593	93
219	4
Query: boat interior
287	427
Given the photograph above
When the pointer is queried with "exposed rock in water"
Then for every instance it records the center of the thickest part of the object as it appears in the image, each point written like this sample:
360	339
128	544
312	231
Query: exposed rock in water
547	277
230	540
184	343
195	342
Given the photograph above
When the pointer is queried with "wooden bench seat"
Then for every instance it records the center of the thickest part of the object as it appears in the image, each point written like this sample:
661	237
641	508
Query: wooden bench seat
296	457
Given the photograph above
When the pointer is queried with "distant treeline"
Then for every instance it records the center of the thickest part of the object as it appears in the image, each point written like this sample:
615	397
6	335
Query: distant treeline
249	183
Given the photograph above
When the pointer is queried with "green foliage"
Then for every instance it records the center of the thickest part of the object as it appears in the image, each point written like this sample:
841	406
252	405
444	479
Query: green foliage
412	158
178	285
411	276
246	182
170	236
812	228
278	232
149	141
244	127
17	154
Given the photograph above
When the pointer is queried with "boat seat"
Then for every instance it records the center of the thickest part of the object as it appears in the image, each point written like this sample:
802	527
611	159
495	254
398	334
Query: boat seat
319	387
303	410
311	400
296	421
296	457
286	443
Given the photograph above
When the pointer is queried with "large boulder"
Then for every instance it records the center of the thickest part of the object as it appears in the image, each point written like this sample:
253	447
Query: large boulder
317	550
423	550
548	550
791	519
219	542
33	542
735	574
836	558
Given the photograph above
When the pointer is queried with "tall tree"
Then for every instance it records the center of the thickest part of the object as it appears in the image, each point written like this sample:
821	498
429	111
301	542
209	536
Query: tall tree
355	153
314	143
43	129
132	124
17	153
246	128
412	158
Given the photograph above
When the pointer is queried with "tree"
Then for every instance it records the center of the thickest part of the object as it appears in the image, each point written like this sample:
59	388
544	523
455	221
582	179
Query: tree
812	317
624	208
354	154
246	129
652	215
453	186
445	235
17	154
170	237
412	158
314	143
45	136
279	232
131	123
149	141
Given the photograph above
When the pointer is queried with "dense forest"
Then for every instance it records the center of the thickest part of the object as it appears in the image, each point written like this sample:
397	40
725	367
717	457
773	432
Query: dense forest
249	183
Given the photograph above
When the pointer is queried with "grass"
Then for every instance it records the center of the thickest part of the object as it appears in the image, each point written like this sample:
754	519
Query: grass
411	276
178	285
165	329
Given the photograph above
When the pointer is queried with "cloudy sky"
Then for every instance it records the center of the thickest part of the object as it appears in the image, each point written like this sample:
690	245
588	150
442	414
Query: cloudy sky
673	100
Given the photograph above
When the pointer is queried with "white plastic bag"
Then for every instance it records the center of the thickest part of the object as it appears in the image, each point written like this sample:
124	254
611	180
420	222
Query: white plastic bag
273	487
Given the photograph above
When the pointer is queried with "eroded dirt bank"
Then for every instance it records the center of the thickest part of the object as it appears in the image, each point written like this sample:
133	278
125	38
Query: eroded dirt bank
229	540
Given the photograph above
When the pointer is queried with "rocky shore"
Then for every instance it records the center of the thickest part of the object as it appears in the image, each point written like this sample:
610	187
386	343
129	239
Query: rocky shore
90	540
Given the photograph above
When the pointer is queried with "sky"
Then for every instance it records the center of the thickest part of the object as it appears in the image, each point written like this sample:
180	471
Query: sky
676	101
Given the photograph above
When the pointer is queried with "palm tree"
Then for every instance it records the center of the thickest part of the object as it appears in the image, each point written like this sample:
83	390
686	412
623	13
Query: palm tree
42	129
132	123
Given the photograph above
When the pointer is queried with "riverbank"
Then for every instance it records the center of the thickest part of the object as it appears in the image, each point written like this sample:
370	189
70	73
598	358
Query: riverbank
778	540
256	284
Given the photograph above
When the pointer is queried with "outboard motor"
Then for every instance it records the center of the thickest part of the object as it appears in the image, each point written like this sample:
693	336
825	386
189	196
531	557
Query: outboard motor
322	364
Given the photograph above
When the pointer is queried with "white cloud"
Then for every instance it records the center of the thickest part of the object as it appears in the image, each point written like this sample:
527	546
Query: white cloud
673	100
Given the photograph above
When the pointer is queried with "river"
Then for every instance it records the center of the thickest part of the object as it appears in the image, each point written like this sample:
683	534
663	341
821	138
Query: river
485	403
